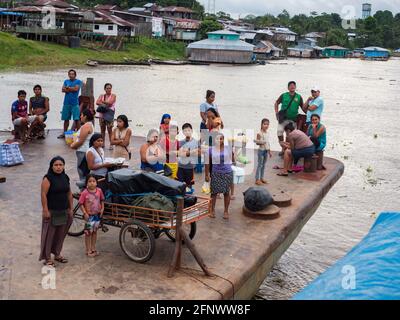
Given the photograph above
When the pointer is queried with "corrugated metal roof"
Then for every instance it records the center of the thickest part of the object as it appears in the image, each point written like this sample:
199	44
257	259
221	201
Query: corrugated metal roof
223	32
221	44
248	35
266	46
54	3
187	24
106	16
336	48
313	35
267	32
283	31
376	49
175	9
35	9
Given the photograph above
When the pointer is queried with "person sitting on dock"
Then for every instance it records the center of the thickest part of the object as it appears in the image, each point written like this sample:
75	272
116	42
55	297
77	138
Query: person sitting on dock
20	118
71	88
152	156
106	102
314	105
38	107
290	102
317	133
298	146
95	158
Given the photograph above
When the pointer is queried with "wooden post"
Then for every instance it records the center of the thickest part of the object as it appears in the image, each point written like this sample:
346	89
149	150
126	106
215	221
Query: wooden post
181	235
176	261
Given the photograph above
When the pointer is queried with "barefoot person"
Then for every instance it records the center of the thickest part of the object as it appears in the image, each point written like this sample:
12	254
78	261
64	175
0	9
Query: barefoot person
57	200
298	146
106	102
92	206
263	152
38	107
290	103
70	110
221	176
121	138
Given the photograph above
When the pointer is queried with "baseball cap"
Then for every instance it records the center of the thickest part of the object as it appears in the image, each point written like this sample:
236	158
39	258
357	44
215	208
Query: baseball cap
315	88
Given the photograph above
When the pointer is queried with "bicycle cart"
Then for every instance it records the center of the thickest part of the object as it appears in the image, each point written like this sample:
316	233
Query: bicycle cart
141	226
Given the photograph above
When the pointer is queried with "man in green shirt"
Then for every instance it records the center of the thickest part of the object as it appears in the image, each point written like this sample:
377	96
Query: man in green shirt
290	101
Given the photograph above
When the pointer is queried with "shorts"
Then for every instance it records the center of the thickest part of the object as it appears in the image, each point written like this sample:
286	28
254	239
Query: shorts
104	122
69	112
186	176
281	127
93	224
303	153
17	122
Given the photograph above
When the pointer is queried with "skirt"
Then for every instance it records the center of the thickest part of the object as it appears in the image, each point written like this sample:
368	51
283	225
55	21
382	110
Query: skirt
221	182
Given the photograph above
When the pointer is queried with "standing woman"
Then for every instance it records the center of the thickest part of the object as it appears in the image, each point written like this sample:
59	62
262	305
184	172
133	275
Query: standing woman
209	103
121	138
164	124
81	145
221	177
57	200
107	103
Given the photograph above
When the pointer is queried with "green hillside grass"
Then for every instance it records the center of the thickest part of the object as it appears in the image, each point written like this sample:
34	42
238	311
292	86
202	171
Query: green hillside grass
20	53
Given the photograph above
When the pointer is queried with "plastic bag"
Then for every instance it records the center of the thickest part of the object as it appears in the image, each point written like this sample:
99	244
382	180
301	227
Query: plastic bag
10	154
257	199
206	188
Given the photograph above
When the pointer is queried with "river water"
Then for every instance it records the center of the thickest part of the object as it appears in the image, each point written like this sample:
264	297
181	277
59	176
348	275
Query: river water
362	116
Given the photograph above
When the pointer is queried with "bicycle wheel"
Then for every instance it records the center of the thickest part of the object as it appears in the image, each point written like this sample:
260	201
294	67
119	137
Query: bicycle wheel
77	227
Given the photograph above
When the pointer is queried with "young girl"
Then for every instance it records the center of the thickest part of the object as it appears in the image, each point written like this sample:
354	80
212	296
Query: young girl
92	206
164	125
264	150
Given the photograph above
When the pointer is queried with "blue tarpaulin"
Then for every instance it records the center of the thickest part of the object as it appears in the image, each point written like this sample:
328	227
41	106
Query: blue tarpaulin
370	271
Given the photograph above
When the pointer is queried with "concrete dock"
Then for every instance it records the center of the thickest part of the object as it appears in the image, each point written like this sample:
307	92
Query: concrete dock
239	252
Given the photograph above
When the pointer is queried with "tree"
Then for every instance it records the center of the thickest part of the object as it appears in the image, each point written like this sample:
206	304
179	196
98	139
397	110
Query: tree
209	25
223	15
284	17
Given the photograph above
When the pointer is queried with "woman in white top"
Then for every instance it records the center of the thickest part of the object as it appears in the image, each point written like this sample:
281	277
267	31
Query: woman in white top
81	145
121	138
95	157
264	151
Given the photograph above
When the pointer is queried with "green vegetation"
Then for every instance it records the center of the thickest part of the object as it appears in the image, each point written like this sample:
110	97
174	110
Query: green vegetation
209	25
20	53
125	4
383	29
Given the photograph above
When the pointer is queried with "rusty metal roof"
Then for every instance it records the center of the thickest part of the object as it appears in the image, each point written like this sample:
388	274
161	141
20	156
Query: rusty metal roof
187	24
175	9
108	17
36	9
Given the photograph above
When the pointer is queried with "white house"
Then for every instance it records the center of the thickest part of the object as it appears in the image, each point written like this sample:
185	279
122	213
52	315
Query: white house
110	25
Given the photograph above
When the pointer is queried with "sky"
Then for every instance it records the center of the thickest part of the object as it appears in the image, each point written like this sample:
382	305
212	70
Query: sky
261	7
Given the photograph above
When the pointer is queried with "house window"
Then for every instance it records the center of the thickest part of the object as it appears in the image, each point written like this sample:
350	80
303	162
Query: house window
96	27
110	28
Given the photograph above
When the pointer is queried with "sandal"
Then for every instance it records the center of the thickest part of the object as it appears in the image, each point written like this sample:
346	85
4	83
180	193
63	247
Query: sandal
276	167
61	259
61	136
226	216
282	174
49	263
95	253
212	215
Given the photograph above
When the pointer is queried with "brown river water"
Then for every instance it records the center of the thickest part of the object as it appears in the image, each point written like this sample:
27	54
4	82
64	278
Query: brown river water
362	115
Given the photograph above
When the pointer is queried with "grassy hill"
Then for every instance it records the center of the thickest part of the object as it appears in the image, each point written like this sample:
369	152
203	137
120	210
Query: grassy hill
20	53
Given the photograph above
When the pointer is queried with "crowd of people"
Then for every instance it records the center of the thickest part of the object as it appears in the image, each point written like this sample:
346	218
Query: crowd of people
162	150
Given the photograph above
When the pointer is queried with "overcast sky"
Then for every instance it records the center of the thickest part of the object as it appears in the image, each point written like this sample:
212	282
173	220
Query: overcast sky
260	7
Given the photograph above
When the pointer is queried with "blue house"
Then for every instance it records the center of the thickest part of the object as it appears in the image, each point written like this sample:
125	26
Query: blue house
376	53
